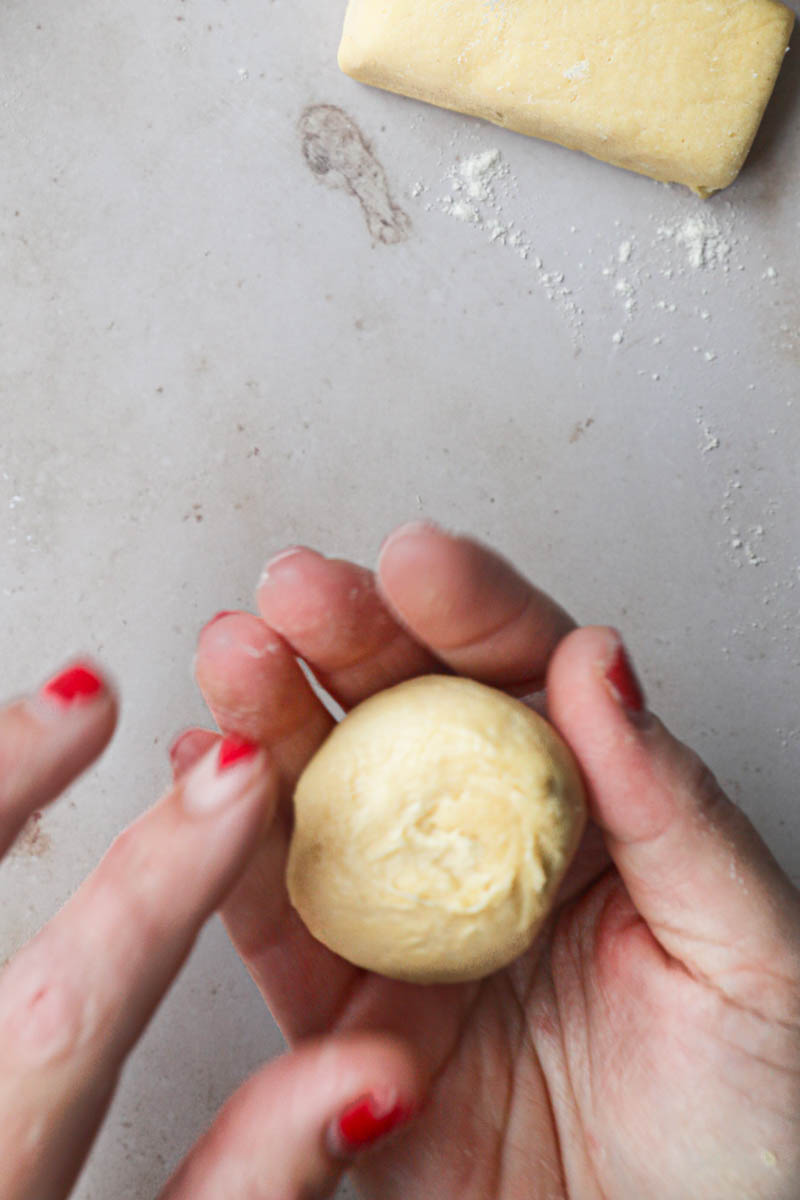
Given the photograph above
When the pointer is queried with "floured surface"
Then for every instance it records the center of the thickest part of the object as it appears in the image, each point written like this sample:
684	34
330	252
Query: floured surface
207	355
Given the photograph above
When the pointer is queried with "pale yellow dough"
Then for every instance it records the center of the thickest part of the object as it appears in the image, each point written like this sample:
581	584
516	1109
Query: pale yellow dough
432	829
674	89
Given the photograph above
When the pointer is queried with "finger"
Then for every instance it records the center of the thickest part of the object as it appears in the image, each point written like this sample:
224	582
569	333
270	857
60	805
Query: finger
293	1128
330	613
255	688
188	748
46	740
470	607
693	865
74	1001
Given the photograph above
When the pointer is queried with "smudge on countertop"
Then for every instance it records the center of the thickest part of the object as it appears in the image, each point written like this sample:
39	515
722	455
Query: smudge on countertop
341	157
33	841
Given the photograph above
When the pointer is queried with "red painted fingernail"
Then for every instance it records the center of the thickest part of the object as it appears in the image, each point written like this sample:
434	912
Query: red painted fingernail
76	685
366	1122
625	687
233	750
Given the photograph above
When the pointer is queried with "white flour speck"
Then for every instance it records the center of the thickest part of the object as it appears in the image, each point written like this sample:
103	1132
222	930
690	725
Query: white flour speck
578	70
464	212
479	172
706	245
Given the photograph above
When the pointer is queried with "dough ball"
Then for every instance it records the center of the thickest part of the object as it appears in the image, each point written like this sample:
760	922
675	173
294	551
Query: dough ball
432	829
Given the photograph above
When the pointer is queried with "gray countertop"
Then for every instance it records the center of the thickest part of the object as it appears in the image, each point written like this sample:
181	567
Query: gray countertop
247	302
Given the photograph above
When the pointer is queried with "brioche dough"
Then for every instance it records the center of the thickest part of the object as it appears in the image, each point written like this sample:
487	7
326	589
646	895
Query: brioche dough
674	89
432	829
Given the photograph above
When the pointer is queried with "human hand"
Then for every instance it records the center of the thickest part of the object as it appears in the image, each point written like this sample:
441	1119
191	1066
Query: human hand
76	999
647	1047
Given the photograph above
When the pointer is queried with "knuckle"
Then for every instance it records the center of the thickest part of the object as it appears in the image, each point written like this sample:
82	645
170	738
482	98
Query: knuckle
44	1016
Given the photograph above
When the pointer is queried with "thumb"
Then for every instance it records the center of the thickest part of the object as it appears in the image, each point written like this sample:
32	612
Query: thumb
293	1128
694	867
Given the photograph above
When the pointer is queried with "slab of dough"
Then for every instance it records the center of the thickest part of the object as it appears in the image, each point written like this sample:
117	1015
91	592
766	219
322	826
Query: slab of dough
674	89
432	829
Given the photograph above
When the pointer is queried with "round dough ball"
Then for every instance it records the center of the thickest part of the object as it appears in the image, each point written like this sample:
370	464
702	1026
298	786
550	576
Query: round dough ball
432	829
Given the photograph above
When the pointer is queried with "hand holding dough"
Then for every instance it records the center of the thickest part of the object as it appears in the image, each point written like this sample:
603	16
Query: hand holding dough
432	829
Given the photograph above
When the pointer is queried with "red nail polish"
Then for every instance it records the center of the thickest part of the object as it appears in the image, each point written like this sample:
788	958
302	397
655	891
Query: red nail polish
365	1122
624	684
74	686
233	750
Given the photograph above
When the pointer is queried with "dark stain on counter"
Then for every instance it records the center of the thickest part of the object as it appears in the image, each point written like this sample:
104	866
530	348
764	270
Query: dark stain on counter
32	842
341	157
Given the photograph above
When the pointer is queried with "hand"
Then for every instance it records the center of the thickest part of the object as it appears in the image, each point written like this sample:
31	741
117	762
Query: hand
647	1047
76	999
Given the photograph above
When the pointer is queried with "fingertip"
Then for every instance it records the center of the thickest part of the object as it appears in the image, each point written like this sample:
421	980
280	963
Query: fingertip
80	681
409	529
304	1118
233	770
597	704
592	666
49	737
282	559
232	651
404	545
83	692
365	1122
188	747
294	592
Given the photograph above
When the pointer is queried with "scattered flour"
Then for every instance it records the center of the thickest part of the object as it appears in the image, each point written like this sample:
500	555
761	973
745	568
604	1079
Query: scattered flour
746	542
706	244
463	211
655	268
480	186
480	172
709	441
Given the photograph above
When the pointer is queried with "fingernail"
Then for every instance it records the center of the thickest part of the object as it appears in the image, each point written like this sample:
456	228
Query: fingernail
222	777
289	552
621	678
366	1122
224	612
408	530
77	685
233	750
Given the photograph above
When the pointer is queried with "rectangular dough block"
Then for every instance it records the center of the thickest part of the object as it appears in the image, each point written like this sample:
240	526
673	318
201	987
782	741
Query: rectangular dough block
674	89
